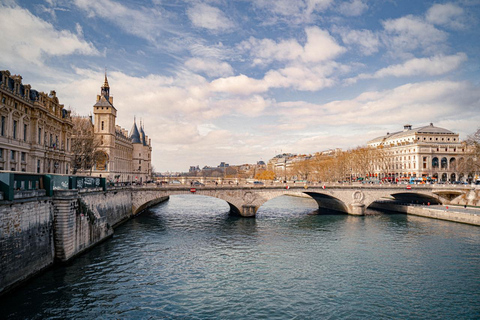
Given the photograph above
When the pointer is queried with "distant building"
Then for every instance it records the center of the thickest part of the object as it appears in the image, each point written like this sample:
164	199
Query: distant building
223	165
35	129
194	169
282	165
423	152
123	157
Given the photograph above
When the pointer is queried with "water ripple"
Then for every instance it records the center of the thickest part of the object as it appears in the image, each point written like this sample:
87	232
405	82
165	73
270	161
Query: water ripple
188	259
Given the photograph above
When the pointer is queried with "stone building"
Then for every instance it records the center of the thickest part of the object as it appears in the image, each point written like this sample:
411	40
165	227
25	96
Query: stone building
120	157
282	165
421	153
35	129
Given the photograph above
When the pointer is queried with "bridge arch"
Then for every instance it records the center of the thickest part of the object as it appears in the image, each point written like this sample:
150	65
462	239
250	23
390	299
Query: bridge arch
325	200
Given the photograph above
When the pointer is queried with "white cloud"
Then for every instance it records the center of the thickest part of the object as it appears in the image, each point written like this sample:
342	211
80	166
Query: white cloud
433	66
146	23
420	101
353	8
292	12
204	16
267	50
296	76
447	14
367	41
241	84
211	67
28	39
407	34
320	46
289	7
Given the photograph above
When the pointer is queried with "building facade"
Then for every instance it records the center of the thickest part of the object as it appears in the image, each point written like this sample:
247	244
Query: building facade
423	153
35	129
120	157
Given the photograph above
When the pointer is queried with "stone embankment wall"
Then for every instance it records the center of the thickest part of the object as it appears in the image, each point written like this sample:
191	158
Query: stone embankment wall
36	231
26	238
449	214
471	198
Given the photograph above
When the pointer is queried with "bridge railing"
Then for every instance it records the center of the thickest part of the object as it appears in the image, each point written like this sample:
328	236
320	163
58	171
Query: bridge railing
18	183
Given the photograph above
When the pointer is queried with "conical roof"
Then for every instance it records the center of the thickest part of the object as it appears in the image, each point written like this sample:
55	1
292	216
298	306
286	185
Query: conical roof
142	135
134	134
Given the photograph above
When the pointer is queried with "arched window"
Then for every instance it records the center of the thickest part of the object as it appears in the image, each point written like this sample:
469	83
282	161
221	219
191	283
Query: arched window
102	125
453	164
444	163
435	162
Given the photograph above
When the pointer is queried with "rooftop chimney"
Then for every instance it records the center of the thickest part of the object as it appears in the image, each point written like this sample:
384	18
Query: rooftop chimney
407	127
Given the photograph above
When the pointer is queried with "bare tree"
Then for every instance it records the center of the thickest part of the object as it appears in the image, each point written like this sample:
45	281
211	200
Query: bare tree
471	164
84	144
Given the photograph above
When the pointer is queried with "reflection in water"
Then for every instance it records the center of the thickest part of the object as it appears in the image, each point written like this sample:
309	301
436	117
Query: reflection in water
188	258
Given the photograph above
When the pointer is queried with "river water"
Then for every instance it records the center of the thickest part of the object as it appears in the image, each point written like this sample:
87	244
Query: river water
188	259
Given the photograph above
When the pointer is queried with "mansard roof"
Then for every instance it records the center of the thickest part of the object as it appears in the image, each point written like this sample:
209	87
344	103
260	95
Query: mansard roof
134	134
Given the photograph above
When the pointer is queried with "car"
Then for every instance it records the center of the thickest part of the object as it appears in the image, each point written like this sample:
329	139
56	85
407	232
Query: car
197	184
258	183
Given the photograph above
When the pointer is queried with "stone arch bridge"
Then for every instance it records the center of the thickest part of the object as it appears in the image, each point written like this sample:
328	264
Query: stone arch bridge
351	199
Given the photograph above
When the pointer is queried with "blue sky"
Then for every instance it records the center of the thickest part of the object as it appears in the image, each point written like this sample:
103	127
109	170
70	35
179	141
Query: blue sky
242	80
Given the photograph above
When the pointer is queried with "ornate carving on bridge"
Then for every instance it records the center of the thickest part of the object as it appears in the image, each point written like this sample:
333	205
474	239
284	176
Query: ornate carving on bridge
249	197
358	196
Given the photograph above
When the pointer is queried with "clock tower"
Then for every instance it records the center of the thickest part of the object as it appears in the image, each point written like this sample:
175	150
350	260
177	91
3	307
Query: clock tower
104	129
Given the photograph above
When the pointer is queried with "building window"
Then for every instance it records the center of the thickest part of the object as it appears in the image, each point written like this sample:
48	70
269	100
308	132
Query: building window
3	100
39	135
103	125
25	129
12	155
38	166
23	156
15	129
3	126
444	163
1	153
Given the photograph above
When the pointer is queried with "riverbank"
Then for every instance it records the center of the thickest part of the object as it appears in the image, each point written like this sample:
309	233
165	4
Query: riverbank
39	232
469	215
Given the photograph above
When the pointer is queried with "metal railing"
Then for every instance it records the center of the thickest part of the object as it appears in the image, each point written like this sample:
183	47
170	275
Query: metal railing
16	182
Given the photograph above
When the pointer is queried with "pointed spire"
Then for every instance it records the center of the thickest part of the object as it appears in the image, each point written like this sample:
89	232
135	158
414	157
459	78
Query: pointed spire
105	84
134	134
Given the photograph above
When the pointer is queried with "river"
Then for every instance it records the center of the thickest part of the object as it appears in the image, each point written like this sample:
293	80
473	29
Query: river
188	259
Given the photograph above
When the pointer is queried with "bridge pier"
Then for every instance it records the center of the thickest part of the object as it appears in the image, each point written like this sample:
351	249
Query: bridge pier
248	211
357	209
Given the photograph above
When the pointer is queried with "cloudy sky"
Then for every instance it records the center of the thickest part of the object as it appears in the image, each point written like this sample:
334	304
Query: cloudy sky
243	80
